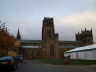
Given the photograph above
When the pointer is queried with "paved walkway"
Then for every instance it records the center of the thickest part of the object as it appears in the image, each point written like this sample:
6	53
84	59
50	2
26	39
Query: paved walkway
36	66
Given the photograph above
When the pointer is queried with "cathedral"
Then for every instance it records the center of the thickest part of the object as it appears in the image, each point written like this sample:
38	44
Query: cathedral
50	46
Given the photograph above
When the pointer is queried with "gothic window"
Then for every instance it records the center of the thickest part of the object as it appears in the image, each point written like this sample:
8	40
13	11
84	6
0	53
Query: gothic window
51	50
49	33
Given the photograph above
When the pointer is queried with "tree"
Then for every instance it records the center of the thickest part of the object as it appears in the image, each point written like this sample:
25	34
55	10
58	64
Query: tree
6	40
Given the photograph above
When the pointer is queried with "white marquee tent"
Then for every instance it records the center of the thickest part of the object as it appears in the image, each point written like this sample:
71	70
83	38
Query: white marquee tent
85	53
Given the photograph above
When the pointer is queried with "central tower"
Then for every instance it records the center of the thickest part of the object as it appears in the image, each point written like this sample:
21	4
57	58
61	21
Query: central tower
48	32
49	37
47	29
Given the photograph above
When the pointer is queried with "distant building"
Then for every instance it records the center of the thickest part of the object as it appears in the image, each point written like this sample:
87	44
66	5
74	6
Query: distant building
50	46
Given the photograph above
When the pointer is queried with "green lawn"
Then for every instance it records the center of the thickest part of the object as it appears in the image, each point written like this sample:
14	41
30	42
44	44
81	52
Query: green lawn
83	62
52	61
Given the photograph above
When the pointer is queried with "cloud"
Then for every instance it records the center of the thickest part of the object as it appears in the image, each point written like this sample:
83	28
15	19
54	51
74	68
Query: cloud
91	5
67	27
79	18
29	28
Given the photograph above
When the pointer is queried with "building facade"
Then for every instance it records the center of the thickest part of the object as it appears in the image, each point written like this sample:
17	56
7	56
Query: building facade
50	46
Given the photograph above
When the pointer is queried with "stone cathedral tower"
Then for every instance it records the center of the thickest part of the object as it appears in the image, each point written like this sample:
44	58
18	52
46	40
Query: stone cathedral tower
50	38
85	36
50	46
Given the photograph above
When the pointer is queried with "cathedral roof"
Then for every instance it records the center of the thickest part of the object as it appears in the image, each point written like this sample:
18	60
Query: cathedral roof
71	47
31	41
70	41
31	46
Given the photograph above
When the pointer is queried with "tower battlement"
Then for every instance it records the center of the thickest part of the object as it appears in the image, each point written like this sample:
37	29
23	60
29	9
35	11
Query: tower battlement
48	22
85	36
48	31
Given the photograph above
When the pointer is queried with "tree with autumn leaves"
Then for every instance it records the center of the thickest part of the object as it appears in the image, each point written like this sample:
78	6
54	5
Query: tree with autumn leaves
7	41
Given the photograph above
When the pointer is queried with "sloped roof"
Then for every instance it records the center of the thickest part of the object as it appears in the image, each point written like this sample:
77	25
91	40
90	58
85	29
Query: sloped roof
31	46
89	47
67	47
70	41
32	41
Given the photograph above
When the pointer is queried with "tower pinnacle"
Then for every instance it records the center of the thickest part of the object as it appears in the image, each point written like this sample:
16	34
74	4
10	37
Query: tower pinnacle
18	35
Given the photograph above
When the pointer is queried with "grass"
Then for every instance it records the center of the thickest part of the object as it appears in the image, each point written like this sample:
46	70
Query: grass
83	62
52	61
73	62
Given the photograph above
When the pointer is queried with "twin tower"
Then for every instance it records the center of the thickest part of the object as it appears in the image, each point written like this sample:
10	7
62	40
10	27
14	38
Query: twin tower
48	32
54	46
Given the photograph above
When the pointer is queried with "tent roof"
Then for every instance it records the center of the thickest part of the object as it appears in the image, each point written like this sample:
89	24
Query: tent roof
89	47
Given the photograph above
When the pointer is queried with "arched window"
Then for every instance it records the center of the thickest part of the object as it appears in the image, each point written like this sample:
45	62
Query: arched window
51	50
49	33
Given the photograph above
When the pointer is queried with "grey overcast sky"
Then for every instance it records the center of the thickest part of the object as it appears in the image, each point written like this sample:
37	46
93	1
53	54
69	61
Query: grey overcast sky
70	17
